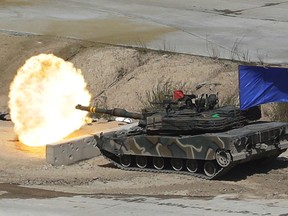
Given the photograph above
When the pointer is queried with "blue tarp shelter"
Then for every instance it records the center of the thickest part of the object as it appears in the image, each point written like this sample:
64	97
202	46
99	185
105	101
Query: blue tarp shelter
259	85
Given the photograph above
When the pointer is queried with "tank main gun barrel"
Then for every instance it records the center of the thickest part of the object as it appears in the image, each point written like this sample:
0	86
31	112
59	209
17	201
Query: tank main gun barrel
113	112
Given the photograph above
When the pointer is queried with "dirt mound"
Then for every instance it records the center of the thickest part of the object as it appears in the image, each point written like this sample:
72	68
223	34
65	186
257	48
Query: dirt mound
116	76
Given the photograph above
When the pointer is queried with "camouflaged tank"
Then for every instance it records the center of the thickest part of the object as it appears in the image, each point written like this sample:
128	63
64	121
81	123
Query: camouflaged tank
205	143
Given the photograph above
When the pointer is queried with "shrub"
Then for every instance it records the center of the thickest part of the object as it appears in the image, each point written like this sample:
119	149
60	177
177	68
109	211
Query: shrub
153	98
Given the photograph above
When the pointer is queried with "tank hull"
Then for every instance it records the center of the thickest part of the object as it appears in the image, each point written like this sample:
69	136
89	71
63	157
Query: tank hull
207	155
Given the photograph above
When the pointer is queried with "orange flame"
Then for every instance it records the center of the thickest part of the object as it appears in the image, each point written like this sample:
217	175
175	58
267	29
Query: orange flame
42	100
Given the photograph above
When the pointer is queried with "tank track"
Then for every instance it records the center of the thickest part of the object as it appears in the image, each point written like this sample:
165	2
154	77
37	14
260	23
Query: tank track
218	174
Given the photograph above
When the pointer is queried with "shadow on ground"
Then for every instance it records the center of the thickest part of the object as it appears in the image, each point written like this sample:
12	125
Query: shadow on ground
264	166
17	191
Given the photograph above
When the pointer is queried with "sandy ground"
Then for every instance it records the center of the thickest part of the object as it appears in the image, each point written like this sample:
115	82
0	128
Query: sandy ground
120	77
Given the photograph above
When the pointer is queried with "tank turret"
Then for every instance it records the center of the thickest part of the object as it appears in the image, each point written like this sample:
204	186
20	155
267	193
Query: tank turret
179	121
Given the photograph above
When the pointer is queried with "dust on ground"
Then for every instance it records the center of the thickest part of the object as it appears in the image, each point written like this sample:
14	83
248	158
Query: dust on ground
121	77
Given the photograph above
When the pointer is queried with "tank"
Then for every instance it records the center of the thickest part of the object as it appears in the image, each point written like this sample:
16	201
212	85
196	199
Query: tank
199	139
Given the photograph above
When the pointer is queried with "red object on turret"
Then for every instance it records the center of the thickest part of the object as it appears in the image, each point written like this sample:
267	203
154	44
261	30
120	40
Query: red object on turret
178	94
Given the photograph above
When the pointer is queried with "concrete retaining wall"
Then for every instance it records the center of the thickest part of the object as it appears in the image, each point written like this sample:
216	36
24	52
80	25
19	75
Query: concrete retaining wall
70	151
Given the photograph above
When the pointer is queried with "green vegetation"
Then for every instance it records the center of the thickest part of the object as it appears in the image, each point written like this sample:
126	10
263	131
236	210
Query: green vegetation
232	99
163	90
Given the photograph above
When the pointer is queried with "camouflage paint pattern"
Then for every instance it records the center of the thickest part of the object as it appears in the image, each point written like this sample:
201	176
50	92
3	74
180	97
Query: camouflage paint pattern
241	143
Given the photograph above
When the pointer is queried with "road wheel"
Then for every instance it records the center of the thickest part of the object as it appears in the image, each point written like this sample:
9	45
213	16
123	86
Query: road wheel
158	163
192	166
141	161
210	168
177	164
125	160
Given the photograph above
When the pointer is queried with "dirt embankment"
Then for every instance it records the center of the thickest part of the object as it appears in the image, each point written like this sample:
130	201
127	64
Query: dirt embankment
120	77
